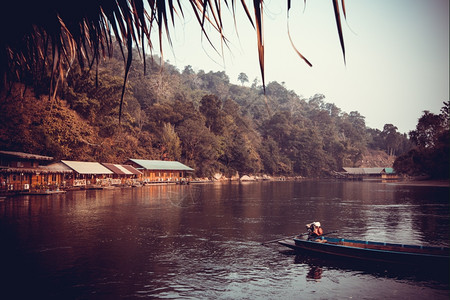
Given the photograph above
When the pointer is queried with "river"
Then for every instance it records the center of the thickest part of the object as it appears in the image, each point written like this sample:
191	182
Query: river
203	241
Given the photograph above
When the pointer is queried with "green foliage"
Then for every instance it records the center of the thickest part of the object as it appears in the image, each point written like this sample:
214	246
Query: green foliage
198	118
43	126
200	146
432	152
242	78
211	108
93	97
170	142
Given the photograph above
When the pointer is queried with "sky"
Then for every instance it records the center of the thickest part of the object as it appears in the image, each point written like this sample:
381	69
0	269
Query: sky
397	54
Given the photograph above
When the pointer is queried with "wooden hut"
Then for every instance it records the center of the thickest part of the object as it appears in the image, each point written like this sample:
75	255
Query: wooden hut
389	174
21	171
87	174
368	173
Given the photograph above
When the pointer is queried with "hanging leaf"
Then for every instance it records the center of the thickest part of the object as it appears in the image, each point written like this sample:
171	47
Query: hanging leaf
40	35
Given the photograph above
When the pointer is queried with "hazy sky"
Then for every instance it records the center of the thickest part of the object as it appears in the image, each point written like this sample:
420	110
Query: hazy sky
397	55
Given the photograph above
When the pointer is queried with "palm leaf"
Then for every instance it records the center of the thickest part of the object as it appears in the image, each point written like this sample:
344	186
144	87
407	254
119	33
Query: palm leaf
47	34
338	23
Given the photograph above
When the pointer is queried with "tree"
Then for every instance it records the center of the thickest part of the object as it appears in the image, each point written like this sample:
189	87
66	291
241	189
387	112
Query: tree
445	114
428	129
392	138
255	83
158	114
306	151
374	139
92	96
188	70
42	126
243	78
432	152
215	82
200	147
273	161
211	108
229	135
279	127
171	142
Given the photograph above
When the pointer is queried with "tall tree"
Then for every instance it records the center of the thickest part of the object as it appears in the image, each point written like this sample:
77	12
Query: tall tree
428	129
200	146
171	142
392	138
432	152
243	78
211	108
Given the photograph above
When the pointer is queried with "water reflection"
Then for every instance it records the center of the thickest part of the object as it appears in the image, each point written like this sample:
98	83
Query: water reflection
314	273
204	241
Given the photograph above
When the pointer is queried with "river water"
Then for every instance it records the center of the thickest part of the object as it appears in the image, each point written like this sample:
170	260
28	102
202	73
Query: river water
203	241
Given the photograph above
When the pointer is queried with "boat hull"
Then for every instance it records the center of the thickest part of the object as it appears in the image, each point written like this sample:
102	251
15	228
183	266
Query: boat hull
373	251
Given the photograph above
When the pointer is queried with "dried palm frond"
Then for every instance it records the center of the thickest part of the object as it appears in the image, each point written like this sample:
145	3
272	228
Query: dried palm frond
49	34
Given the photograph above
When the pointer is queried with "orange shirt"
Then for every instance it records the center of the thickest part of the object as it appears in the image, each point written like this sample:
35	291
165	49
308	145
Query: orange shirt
318	231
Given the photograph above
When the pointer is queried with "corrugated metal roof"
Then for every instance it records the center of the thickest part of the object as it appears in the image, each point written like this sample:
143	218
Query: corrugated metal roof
83	167
26	155
356	171
132	169
57	168
363	171
389	170
161	165
117	169
373	170
122	169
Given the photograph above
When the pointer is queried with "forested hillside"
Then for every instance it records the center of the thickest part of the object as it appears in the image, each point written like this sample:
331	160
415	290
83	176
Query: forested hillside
198	118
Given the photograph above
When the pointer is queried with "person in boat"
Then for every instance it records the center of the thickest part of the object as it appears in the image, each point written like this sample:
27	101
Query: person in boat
314	230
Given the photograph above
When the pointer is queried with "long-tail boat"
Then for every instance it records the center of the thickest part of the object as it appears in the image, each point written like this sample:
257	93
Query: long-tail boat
438	257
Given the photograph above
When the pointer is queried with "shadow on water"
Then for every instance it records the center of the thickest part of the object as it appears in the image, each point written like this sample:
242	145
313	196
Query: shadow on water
318	265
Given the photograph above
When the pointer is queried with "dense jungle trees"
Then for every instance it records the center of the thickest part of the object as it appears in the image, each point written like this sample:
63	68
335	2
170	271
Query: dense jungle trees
430	156
81	107
199	119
